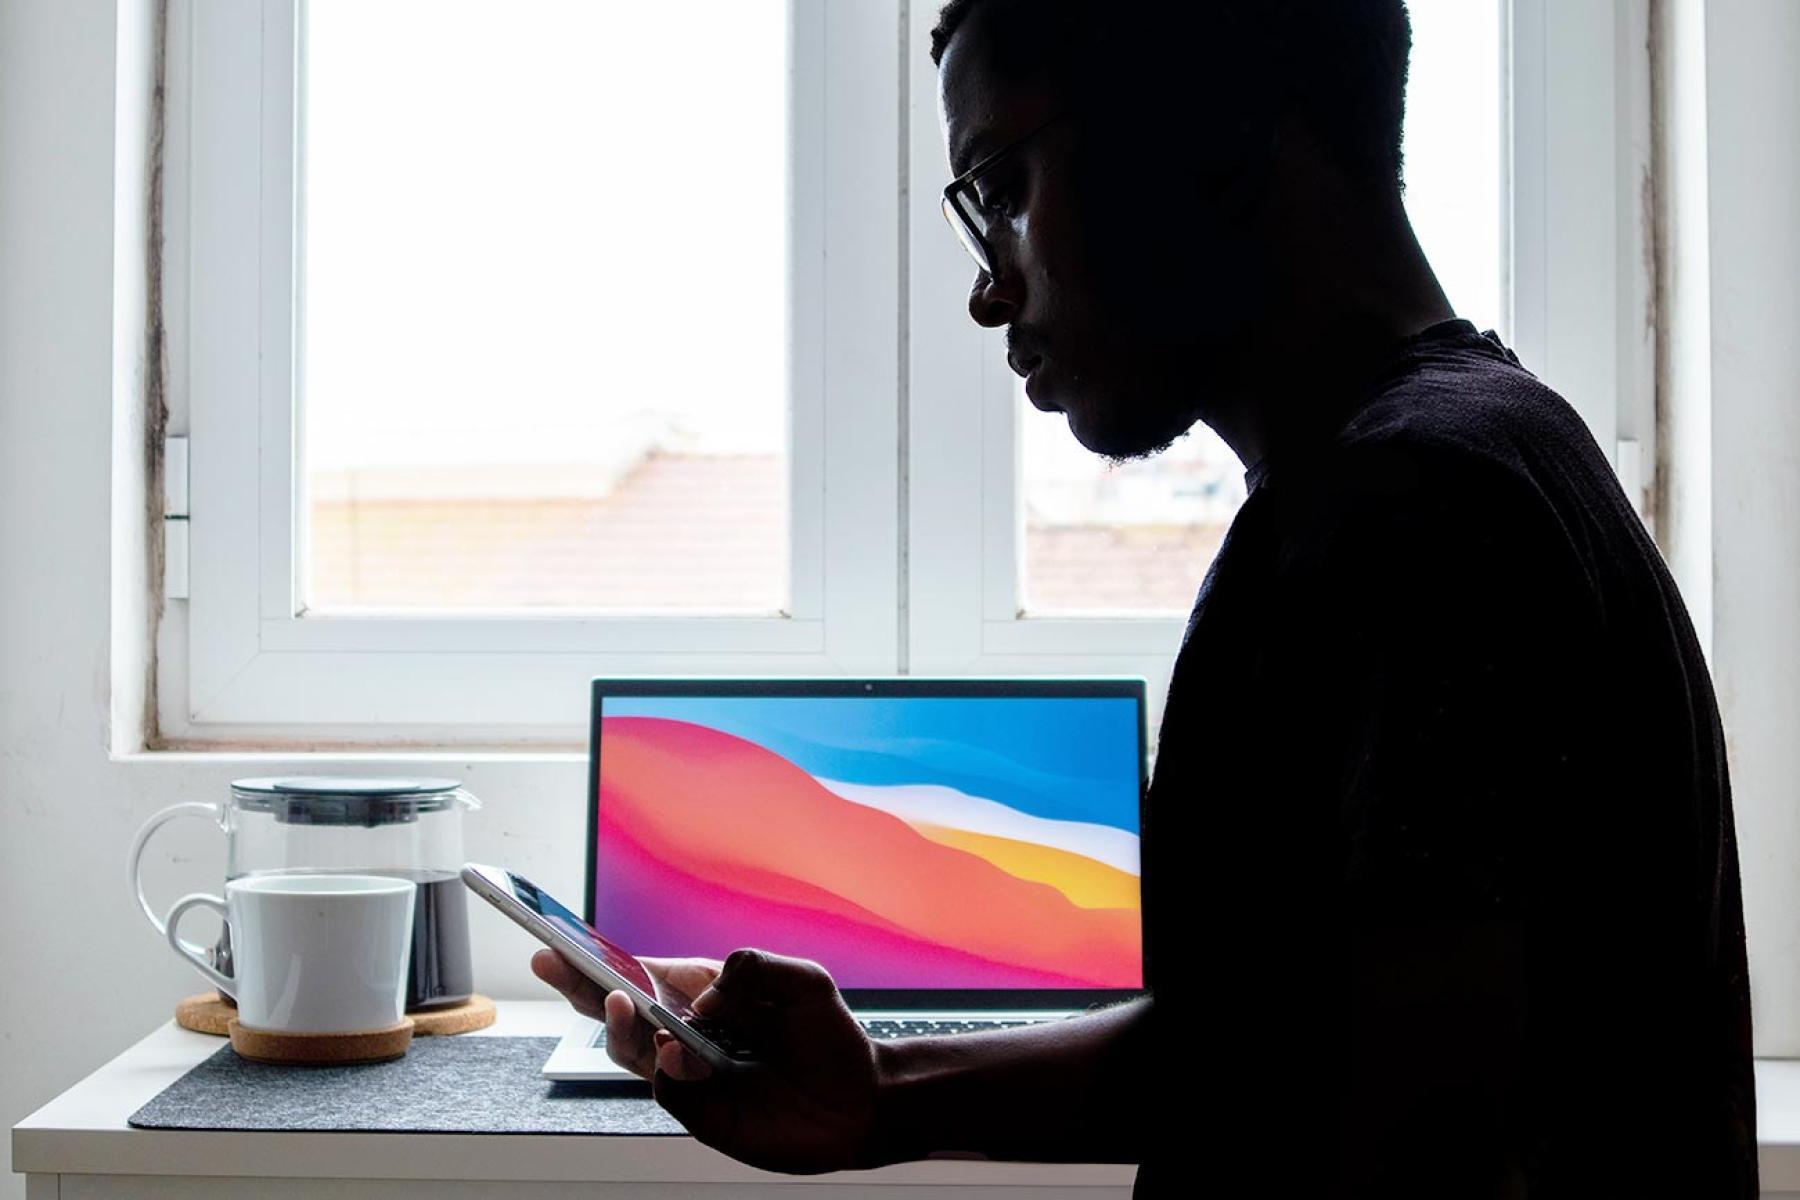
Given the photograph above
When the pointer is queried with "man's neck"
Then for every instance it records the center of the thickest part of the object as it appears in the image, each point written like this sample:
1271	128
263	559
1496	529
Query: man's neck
1357	293
1335	365
1307	366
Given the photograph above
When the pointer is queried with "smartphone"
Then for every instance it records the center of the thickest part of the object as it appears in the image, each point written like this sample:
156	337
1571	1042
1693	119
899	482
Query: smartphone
607	965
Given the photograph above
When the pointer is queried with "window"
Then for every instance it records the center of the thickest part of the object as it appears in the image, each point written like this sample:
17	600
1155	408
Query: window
280	638
486	393
540	365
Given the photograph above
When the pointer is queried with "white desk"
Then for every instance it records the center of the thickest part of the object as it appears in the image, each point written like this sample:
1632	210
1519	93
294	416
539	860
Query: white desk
79	1147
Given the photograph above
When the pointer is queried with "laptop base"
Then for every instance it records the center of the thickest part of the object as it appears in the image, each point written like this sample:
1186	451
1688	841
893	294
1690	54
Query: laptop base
581	1055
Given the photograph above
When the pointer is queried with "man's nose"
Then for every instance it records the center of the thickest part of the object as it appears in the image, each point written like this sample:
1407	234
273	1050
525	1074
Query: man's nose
993	303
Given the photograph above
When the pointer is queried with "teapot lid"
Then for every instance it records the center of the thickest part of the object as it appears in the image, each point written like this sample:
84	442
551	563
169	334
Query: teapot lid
344	800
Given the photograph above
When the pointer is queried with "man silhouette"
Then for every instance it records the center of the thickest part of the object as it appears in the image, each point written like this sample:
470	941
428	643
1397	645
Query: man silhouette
1441	881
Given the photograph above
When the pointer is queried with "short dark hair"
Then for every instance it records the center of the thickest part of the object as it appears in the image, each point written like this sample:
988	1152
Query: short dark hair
1340	65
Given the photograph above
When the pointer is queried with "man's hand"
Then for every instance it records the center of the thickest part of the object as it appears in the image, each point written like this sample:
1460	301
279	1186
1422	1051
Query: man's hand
628	1040
807	1107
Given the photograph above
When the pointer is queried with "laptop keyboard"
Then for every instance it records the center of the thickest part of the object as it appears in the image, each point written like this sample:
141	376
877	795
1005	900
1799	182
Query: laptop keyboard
883	1031
887	1031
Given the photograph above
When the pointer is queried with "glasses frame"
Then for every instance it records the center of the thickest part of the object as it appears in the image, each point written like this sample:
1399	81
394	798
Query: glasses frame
960	202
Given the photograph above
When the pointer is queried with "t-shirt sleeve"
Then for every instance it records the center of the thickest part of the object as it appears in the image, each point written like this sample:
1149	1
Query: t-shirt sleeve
1431	655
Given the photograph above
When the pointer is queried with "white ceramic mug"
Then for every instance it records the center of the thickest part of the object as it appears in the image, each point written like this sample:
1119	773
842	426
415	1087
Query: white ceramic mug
311	953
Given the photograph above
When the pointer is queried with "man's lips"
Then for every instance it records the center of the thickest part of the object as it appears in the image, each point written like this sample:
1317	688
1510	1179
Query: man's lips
1023	364
1035	391
1025	367
1029	367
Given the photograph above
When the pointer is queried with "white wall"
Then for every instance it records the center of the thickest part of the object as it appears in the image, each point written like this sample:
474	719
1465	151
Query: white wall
82	976
1753	194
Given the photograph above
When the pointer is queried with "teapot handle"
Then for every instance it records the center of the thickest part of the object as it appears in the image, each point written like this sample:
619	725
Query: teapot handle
192	809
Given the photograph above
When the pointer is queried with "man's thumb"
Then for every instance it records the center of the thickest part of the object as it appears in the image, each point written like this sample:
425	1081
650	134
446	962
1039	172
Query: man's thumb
756	976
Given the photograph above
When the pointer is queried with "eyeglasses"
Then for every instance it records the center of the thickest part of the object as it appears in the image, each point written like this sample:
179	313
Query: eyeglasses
972	220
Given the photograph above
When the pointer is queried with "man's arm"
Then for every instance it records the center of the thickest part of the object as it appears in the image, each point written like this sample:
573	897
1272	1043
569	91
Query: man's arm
827	1098
1067	1091
1427	1103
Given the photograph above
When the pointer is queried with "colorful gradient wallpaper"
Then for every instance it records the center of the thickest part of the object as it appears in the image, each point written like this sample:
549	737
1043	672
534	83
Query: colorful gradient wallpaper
903	842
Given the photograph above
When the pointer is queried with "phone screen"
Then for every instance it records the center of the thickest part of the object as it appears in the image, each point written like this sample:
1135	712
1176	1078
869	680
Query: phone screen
626	966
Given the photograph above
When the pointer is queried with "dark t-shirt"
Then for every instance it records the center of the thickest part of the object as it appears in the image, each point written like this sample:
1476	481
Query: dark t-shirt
1440	740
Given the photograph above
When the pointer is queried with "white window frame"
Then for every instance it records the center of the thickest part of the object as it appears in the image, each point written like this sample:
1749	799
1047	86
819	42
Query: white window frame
1575	274
907	527
240	663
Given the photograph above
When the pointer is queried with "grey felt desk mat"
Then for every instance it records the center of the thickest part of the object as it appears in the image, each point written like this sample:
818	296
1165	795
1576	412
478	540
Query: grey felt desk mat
442	1085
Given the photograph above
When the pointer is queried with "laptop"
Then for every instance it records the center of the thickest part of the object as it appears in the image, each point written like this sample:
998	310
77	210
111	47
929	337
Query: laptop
960	854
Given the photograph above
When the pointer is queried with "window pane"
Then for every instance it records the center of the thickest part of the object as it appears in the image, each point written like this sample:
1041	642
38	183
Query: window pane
1137	539
1128	539
543	356
1454	153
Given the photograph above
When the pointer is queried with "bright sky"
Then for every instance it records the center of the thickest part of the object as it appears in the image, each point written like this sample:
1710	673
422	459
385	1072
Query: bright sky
516	246
529	222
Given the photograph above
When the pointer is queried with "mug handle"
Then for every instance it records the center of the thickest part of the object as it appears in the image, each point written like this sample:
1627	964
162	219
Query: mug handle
190	951
135	868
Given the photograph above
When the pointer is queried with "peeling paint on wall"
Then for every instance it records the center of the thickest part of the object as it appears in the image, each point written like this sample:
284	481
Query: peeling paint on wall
156	372
1656	220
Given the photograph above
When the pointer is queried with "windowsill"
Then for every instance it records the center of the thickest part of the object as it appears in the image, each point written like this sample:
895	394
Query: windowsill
370	755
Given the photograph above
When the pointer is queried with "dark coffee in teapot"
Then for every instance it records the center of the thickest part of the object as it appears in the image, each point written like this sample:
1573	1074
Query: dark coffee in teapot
440	971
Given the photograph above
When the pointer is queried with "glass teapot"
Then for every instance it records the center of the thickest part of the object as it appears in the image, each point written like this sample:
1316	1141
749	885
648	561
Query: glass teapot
407	828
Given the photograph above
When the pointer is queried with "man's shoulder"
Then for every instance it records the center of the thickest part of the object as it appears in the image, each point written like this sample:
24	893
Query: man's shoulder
1460	435
1464	469
1469	413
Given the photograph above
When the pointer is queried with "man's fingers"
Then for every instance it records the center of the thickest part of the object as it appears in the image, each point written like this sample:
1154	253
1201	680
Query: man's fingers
688	976
628	1036
692	978
677	1061
587	997
629	1039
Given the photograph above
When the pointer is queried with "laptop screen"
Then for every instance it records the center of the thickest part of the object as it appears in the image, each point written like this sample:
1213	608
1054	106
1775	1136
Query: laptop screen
906	840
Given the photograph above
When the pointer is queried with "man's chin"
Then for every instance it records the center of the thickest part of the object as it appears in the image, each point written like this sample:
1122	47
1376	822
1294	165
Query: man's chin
1120	444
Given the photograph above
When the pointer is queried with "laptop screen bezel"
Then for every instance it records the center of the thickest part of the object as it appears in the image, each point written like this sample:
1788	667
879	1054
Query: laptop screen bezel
876	999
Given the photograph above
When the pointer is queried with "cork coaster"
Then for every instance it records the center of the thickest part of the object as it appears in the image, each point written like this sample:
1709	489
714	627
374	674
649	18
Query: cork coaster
210	1013
206	1013
477	1012
321	1049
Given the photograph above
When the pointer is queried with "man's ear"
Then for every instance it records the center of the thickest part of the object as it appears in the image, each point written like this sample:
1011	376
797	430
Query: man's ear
1259	141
